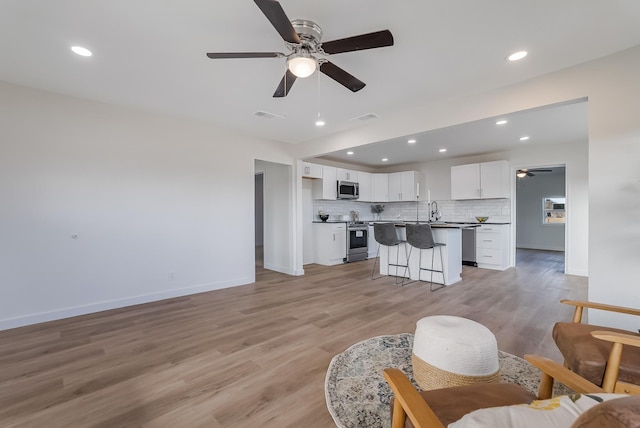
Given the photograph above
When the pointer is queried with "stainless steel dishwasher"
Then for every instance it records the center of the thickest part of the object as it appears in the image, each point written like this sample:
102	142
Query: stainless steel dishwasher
469	246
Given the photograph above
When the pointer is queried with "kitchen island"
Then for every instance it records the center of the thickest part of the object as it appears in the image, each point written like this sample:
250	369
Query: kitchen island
446	233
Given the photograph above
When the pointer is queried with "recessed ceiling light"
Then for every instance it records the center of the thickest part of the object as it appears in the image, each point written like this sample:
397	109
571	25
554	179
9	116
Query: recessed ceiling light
349	153
384	159
501	122
81	51
411	141
320	122
516	56
442	150
524	138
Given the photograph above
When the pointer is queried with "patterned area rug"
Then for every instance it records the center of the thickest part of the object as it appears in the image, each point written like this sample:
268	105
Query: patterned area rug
358	396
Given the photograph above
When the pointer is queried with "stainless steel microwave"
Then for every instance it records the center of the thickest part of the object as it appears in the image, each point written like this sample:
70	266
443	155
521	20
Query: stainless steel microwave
348	190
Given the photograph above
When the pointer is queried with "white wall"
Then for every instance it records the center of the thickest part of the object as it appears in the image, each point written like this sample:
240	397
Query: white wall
531	232
148	196
612	87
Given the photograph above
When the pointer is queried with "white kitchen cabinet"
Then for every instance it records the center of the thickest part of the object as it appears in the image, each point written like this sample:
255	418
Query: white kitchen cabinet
372	244
380	187
311	170
326	188
486	180
403	186
347	175
492	246
365	180
330	241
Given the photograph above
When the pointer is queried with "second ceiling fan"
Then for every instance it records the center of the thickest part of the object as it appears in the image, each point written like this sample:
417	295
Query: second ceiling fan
524	172
302	38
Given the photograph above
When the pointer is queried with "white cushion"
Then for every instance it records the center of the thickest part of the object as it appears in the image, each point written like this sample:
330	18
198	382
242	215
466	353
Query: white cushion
559	411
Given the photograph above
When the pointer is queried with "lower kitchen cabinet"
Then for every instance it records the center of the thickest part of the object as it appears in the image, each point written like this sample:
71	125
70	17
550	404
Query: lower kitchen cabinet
372	244
492	246
330	242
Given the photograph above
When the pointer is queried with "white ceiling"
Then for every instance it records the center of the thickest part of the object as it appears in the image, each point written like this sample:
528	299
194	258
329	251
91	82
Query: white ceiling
558	124
150	54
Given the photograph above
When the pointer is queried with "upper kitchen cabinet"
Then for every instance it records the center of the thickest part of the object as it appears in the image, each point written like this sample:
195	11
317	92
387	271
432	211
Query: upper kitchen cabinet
484	180
403	186
326	188
365	180
311	170
380	187
347	175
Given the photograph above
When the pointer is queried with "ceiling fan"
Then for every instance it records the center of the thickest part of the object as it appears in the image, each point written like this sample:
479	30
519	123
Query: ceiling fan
302	38
529	172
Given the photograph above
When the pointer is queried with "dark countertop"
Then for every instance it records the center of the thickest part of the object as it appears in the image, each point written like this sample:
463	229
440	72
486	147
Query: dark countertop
441	225
330	221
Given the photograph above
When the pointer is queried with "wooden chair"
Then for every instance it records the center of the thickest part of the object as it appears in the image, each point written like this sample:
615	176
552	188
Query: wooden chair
605	356
440	407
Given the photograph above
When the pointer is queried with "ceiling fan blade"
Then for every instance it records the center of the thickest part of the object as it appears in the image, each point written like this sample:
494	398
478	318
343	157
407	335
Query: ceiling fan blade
540	170
341	76
378	39
530	174
282	90
219	55
275	14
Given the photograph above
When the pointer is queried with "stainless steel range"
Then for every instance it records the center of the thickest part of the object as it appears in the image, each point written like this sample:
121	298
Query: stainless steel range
357	241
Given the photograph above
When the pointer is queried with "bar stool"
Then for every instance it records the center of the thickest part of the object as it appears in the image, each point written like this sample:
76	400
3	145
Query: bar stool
420	236
385	234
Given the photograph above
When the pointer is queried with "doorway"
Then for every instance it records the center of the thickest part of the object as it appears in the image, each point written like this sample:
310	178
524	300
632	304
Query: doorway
273	214
541	215
259	220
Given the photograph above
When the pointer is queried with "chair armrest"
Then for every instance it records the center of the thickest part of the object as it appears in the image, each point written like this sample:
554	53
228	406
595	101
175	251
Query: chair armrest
580	305
610	381
553	371
611	336
409	402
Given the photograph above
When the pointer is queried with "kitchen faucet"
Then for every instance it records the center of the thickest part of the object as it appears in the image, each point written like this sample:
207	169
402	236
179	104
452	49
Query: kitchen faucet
433	211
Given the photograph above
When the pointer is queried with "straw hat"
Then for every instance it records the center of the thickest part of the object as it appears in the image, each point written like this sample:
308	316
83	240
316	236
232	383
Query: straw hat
452	351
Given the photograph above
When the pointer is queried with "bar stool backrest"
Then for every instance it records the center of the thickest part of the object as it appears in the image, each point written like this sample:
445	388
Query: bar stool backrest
420	236
385	234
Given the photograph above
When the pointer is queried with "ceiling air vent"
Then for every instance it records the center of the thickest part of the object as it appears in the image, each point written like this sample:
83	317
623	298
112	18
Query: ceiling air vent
267	115
366	117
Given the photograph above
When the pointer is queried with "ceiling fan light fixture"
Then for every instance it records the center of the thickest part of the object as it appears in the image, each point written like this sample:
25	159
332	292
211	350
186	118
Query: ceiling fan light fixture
302	65
521	174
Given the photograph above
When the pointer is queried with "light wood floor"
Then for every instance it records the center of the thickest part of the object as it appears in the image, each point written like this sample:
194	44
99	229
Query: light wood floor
255	355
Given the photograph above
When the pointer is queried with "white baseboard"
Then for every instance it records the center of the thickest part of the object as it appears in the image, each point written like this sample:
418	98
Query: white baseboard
58	314
577	272
281	269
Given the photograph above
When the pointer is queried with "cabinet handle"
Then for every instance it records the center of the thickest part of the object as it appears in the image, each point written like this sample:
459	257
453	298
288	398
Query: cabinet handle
400	195
334	237
487	240
488	229
488	256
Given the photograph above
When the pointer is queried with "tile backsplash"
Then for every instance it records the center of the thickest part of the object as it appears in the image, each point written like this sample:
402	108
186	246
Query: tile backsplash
498	210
